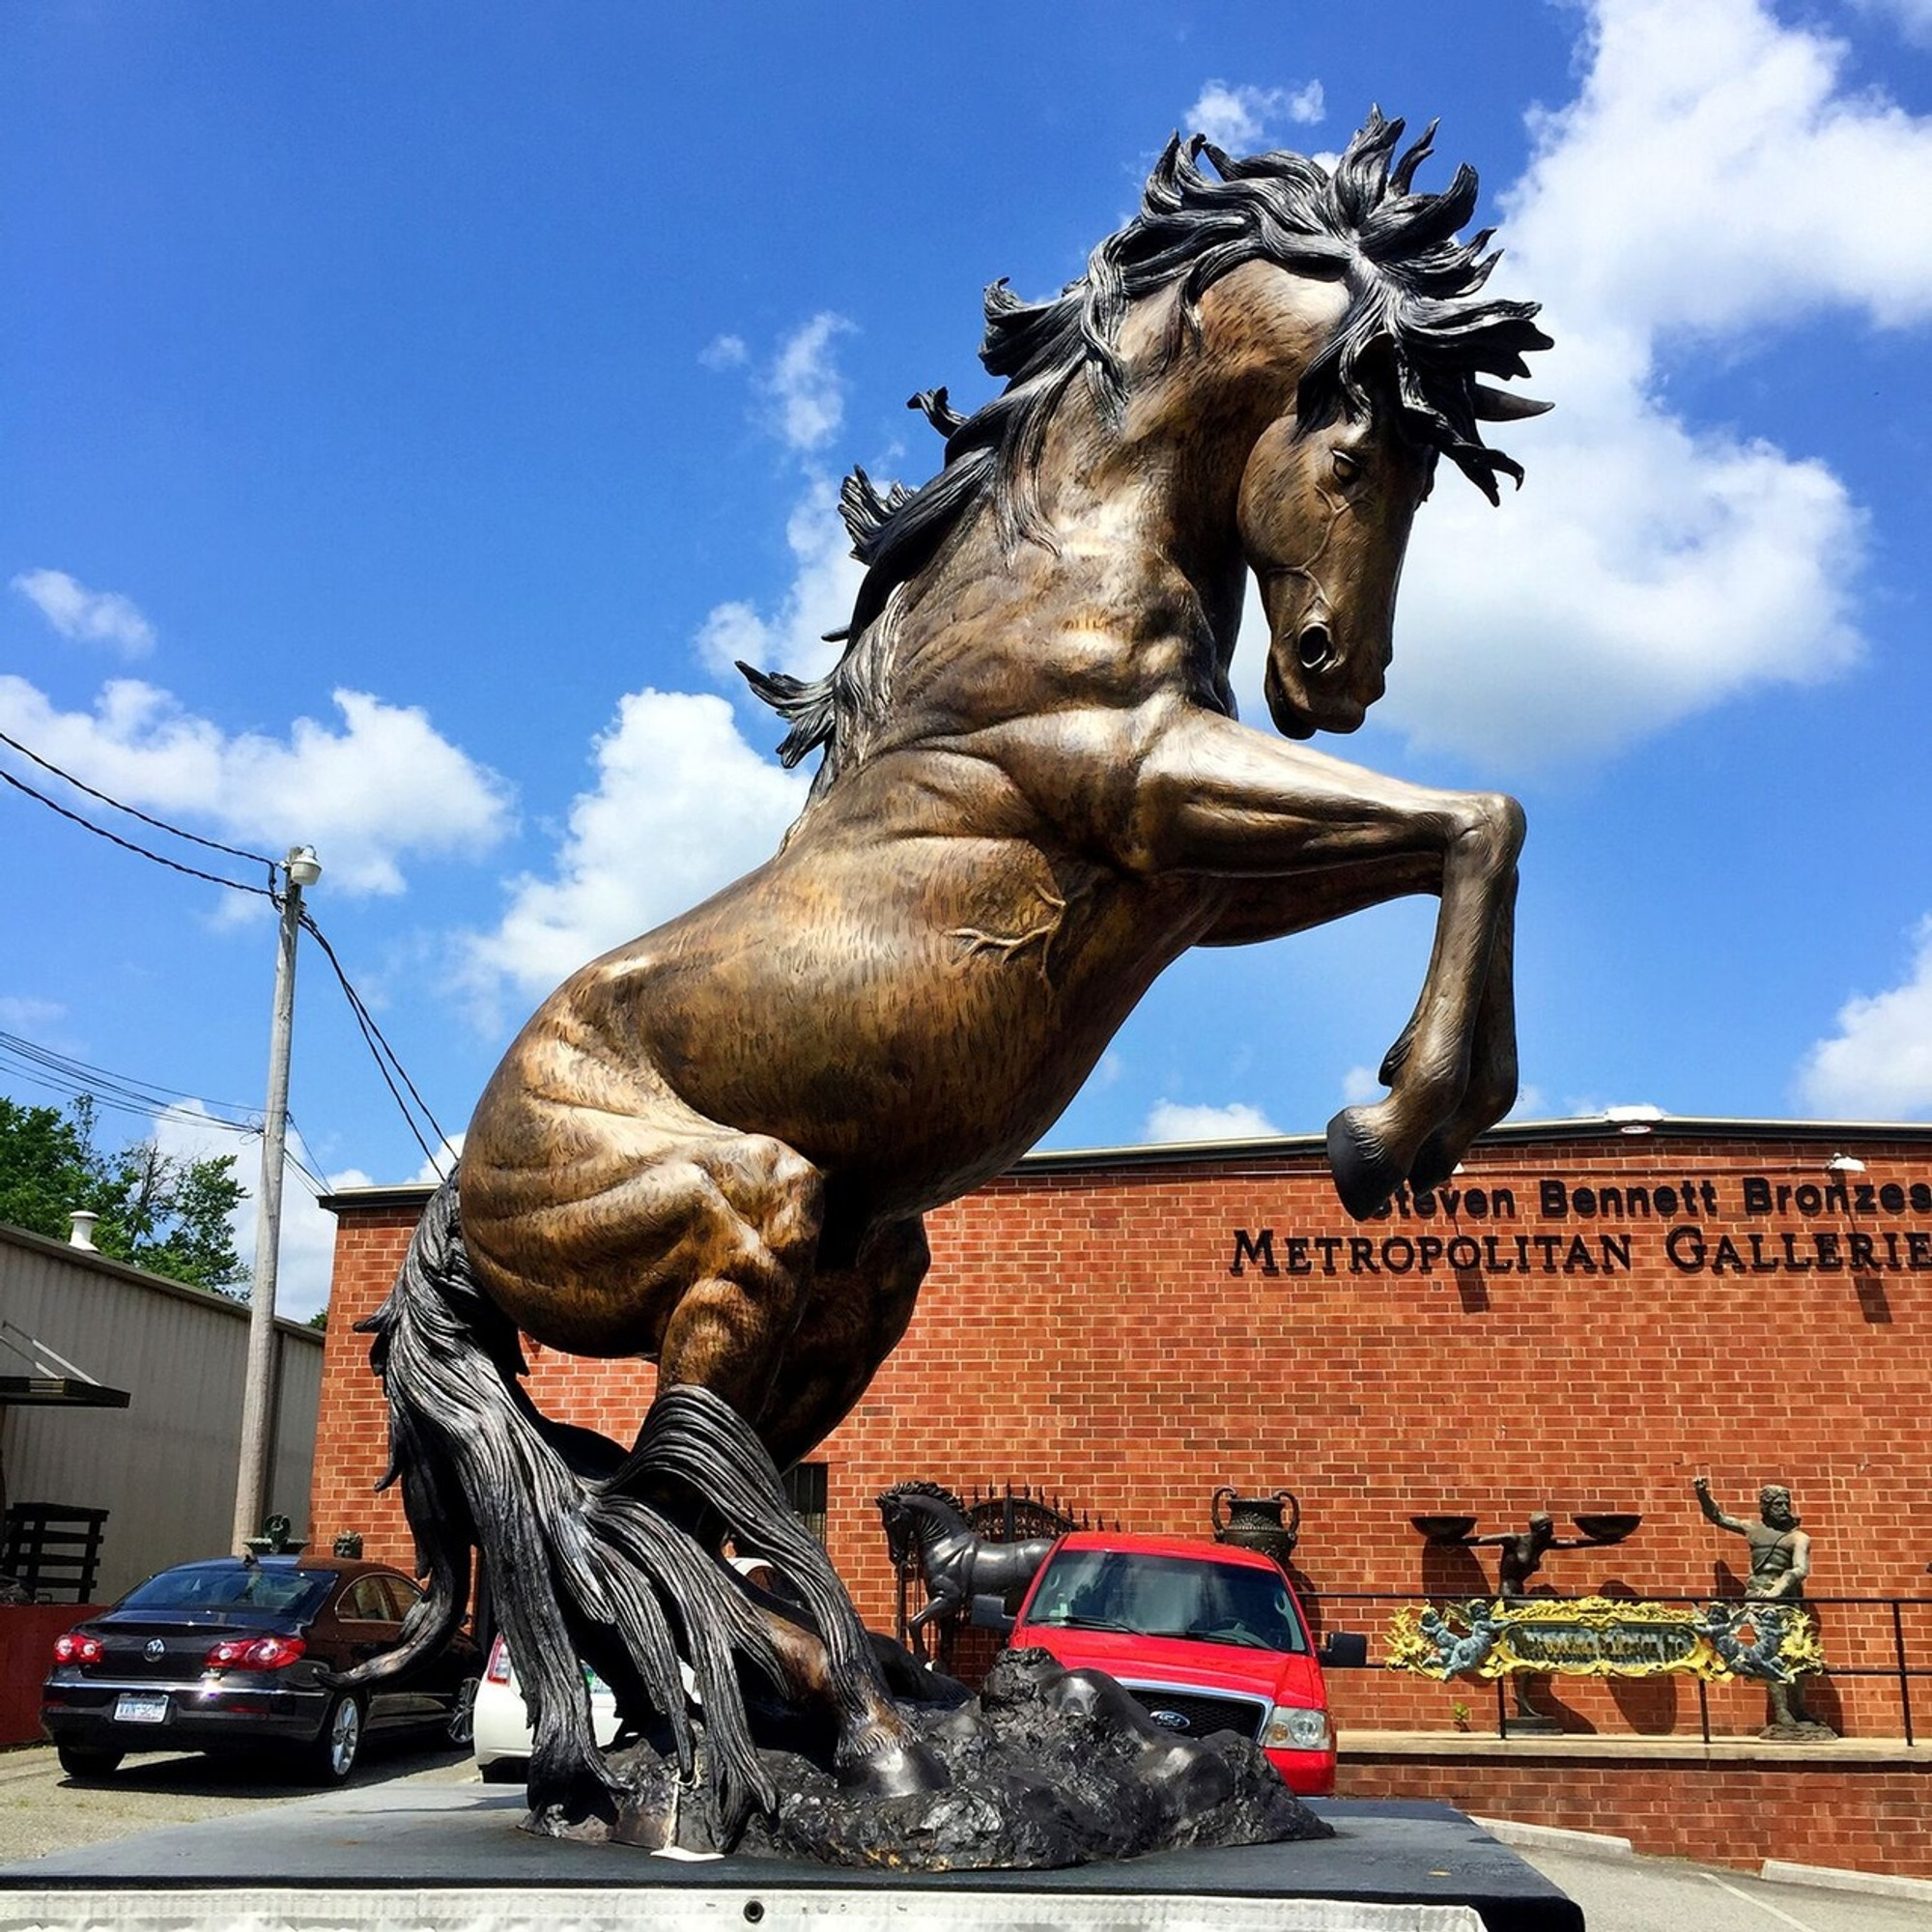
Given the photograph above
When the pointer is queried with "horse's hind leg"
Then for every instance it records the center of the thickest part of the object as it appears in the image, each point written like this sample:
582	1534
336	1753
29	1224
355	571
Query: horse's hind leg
666	1234
748	1258
740	1330
852	1319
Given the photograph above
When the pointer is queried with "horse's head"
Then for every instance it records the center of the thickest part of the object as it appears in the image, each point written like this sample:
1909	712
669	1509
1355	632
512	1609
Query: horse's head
899	1522
1325	517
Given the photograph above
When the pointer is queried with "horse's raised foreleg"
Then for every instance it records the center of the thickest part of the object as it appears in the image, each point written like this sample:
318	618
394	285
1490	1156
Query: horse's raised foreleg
1491	1088
1215	798
1274	908
938	1607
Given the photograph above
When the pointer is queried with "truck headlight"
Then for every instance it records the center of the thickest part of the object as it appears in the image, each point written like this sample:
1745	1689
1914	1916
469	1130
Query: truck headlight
1292	1727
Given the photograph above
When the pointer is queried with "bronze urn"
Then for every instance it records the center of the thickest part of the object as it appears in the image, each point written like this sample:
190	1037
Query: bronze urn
1271	1524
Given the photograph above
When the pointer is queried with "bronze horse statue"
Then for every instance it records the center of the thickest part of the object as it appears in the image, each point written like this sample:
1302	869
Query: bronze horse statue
926	1520
711	1149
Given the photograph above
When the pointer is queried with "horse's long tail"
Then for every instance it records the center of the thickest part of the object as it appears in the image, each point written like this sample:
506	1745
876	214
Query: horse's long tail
575	1571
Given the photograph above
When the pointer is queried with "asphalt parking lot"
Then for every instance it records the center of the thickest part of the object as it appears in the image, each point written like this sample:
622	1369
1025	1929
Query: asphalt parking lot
43	1811
1624	1893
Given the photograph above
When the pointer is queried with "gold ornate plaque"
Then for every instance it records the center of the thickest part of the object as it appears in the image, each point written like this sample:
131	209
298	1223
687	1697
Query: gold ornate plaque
1605	1637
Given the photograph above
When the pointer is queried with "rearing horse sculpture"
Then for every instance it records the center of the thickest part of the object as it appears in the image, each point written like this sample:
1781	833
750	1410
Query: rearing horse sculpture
712	1148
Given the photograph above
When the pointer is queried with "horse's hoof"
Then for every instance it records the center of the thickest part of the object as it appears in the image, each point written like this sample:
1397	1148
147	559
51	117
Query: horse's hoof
582	1806
1434	1164
901	1768
1365	1176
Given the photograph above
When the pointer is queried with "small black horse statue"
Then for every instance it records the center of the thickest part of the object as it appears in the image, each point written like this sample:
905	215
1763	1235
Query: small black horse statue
928	1521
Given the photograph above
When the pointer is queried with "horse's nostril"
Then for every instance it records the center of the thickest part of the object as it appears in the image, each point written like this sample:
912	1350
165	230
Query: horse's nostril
1315	647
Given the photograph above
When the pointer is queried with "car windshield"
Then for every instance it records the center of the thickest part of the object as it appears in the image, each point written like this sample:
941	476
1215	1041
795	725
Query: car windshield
231	1586
1167	1596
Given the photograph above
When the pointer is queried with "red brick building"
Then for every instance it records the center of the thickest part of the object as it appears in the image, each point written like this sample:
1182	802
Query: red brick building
1583	1319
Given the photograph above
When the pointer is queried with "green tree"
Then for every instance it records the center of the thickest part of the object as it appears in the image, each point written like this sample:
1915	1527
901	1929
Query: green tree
162	1213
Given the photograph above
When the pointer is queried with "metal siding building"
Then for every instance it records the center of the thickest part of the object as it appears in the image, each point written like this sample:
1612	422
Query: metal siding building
165	1468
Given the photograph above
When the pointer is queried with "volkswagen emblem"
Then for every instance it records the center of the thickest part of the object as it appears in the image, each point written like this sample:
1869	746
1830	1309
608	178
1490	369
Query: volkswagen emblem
1171	1720
155	1650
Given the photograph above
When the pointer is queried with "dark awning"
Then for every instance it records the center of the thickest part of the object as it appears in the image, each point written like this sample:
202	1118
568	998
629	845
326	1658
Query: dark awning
53	1390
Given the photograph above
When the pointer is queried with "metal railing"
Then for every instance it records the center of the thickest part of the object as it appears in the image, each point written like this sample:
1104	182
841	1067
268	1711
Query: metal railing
1323	1608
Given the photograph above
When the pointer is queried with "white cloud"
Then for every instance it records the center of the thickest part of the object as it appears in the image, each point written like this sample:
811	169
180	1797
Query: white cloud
305	1251
803	385
19	1014
1644	575
384	787
1713	175
1359	1086
682	805
1879	1063
1530	1104
1707	185
1170	1120
725	352
1240	118
820	599
87	617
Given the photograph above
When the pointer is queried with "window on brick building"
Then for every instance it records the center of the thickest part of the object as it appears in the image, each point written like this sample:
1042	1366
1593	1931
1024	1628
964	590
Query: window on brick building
804	1490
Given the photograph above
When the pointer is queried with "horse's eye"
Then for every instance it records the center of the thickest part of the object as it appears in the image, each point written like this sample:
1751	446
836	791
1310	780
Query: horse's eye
1346	469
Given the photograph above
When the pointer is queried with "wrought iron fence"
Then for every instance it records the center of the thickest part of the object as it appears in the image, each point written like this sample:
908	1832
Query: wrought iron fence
1874	1636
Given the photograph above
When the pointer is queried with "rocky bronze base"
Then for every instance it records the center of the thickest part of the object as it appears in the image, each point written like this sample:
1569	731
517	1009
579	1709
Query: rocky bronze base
1047	1766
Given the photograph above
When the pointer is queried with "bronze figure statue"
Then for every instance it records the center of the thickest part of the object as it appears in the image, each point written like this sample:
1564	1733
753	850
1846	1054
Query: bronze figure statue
713	1146
1781	1561
1519	1553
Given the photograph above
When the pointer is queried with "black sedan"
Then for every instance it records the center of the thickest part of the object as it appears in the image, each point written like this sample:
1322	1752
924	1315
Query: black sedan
234	1655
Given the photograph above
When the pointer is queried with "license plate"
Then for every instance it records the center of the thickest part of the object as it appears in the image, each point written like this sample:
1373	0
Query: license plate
140	1707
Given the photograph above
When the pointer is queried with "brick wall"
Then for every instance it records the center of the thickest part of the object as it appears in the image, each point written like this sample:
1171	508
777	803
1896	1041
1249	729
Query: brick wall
1866	1817
1518	1349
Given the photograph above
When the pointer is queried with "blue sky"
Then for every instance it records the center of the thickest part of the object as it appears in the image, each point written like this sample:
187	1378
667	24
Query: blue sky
406	412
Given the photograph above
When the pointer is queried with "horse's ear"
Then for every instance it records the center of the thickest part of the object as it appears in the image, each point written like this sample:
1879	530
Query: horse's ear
1500	406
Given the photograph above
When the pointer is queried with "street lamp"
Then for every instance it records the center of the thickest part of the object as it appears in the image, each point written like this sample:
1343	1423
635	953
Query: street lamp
300	869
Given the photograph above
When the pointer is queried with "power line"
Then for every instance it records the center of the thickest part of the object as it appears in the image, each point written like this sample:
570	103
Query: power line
101	1081
160	824
384	1053
126	1093
379	1049
127	844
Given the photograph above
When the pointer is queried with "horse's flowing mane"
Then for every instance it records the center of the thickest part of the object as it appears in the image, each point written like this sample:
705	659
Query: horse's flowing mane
936	1493
1413	297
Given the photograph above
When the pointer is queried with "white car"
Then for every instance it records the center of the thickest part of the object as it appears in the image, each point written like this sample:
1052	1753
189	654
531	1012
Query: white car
502	1739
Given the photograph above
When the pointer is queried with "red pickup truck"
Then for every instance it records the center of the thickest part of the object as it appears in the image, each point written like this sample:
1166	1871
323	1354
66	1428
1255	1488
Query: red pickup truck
1206	1636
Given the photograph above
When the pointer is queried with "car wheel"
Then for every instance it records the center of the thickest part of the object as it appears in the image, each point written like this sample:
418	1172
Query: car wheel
504	1770
332	1756
79	1761
461	1728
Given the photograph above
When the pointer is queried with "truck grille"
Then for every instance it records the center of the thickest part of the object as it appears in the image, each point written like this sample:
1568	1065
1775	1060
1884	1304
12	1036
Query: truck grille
1203	1713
